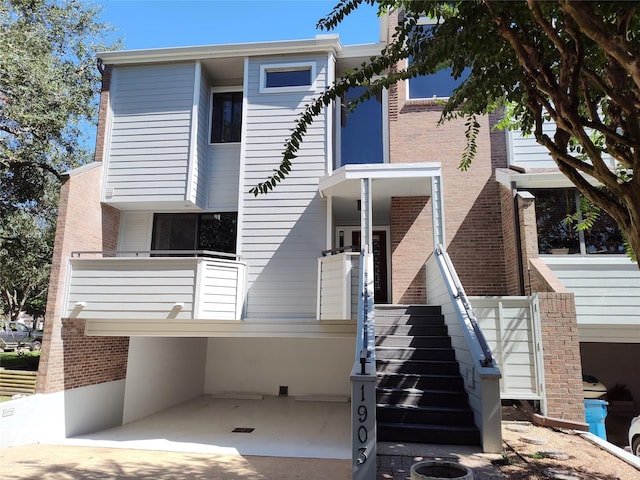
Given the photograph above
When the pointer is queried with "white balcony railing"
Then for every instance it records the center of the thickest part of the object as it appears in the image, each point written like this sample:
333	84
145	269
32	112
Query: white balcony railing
338	286
154	287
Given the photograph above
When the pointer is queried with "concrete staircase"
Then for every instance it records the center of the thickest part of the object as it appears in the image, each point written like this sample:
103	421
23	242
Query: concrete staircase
420	393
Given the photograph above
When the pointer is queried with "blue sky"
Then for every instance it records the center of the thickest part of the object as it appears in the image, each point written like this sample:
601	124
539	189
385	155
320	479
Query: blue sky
174	23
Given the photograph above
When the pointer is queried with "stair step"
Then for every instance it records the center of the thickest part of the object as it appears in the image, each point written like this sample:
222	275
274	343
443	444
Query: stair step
416	330
433	367
411	353
423	415
420	381
411	341
420	433
408	319
422	397
408	309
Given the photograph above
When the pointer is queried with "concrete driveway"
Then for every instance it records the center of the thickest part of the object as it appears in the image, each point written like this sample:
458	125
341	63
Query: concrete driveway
49	462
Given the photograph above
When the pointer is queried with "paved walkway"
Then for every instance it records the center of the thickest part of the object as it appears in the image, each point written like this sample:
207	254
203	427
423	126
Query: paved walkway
395	460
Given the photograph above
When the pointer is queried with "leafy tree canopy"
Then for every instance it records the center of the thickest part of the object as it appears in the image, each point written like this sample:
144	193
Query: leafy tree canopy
574	63
48	97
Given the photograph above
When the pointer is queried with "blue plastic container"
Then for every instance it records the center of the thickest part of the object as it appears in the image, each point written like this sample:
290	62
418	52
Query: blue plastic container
595	412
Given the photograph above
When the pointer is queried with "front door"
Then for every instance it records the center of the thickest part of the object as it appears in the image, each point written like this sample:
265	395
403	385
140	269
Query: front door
379	241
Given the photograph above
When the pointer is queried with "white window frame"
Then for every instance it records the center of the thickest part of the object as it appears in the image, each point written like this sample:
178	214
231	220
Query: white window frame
284	67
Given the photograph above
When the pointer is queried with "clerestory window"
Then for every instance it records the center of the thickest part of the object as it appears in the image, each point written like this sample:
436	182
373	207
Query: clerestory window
287	77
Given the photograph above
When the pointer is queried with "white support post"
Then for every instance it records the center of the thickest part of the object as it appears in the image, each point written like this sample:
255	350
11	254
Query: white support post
366	225
437	212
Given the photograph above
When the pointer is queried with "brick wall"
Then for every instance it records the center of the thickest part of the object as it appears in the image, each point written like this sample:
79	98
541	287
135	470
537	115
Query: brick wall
81	223
472	201
510	241
561	350
103	114
91	360
411	240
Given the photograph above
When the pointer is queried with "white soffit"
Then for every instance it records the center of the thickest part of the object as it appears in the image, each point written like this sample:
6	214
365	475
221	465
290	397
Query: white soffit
554	179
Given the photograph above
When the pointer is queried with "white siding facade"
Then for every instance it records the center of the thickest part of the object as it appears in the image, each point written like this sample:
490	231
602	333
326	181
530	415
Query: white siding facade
282	233
149	148
224	177
525	152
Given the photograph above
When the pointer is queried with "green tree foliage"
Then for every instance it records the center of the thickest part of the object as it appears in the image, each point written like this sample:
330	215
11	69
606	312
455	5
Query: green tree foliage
575	63
48	98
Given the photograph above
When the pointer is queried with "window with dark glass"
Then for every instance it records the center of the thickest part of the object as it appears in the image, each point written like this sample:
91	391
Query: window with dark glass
436	85
226	117
557	232
361	130
287	78
214	232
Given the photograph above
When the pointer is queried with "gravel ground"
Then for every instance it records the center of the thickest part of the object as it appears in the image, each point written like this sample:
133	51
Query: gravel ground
537	453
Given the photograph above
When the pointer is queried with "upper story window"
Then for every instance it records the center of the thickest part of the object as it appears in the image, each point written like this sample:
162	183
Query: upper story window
214	232
437	85
361	132
287	77
557	235
226	117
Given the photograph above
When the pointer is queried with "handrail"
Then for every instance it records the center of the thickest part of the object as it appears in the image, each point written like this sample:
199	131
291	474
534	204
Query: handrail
157	253
365	348
333	251
487	359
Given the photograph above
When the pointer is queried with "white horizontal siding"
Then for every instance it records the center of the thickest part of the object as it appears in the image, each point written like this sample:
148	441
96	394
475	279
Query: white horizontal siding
135	232
224	177
149	146
606	290
151	288
529	154
282	259
200	172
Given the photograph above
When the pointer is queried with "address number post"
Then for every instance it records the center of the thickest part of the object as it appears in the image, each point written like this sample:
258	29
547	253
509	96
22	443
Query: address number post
363	422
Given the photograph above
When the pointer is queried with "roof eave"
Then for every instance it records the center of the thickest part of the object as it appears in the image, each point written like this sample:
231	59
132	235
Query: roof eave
328	43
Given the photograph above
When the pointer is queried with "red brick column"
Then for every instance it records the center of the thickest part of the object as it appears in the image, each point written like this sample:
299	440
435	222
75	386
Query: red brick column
103	114
561	348
83	224
510	244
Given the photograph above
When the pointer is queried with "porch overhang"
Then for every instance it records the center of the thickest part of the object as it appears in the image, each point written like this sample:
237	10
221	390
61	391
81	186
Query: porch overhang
389	180
373	185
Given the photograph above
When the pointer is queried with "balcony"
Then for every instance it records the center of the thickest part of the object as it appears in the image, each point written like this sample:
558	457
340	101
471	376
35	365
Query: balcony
155	286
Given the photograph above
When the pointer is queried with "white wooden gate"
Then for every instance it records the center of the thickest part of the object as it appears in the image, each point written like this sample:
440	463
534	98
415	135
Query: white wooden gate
511	326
